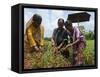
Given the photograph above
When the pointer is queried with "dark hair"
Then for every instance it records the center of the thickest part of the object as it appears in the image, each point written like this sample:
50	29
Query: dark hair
67	23
61	19
37	18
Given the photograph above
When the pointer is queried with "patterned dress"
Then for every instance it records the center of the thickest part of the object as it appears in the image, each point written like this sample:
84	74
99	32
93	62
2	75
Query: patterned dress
78	47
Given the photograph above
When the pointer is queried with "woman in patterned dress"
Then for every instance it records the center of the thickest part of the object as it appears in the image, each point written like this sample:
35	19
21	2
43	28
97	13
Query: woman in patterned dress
78	43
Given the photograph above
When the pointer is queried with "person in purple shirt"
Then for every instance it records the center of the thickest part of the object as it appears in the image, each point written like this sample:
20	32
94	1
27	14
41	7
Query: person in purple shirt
78	43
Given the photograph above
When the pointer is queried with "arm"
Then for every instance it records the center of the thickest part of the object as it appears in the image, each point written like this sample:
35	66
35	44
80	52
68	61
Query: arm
32	40
52	39
75	42
77	31
71	44
30	37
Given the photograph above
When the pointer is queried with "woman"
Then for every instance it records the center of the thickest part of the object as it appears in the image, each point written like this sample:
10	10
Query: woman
33	41
34	35
78	43
59	38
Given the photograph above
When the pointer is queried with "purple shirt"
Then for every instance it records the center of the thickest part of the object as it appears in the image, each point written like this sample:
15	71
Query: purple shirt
77	34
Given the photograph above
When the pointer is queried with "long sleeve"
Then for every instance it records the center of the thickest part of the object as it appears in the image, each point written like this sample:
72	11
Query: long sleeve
77	32
30	37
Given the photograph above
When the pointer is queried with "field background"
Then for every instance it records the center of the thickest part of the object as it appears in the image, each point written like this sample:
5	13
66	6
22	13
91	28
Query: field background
47	58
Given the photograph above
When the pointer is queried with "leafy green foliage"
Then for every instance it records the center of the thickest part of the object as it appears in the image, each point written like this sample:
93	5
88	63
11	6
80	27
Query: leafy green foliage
89	53
47	58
